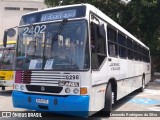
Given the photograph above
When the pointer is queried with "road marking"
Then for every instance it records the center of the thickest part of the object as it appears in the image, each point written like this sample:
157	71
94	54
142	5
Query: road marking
144	101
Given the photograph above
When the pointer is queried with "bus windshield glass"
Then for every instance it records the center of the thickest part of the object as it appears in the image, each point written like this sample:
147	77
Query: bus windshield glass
7	58
53	46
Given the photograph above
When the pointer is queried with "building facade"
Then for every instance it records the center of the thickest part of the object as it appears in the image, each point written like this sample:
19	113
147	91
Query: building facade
12	10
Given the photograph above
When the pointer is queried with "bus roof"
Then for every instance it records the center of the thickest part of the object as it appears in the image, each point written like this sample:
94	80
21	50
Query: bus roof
99	13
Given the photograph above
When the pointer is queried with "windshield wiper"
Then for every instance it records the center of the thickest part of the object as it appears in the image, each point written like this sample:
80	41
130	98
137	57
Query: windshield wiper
60	28
54	37
58	32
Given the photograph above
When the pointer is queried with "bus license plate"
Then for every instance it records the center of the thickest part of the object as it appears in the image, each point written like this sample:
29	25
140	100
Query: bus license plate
40	100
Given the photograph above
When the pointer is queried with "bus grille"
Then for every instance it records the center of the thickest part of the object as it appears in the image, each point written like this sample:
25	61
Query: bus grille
44	81
48	89
41	77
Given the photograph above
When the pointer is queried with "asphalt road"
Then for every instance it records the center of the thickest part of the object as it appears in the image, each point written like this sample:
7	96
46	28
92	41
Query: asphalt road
147	103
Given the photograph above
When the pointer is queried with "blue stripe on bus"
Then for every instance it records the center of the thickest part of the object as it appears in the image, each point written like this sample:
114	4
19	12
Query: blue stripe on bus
68	105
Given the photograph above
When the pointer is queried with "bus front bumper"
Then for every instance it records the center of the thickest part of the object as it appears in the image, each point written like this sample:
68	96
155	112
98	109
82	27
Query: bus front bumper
68	105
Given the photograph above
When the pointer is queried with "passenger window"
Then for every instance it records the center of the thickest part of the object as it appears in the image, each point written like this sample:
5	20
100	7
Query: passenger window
129	44
130	54
112	42
135	55
130	48
122	52
112	49
121	40
98	45
112	34
122	45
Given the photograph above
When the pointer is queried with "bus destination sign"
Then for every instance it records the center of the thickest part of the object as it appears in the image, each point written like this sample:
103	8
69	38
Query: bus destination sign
54	14
58	15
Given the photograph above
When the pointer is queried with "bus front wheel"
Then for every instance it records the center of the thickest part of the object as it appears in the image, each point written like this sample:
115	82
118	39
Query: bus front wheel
108	101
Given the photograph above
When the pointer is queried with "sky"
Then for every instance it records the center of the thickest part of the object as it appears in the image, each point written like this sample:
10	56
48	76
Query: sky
125	1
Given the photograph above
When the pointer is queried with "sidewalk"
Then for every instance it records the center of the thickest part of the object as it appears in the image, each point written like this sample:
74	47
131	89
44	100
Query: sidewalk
155	82
153	85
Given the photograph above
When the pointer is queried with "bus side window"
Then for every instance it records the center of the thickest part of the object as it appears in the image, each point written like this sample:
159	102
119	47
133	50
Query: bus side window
122	45
130	48
98	45
112	42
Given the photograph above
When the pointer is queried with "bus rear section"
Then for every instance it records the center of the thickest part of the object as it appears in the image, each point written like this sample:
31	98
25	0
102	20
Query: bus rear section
6	78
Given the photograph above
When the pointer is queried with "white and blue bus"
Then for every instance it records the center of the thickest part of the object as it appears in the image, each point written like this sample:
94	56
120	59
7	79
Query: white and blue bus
75	60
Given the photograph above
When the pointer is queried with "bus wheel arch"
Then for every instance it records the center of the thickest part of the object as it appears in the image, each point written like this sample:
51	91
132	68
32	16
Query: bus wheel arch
143	83
114	88
109	97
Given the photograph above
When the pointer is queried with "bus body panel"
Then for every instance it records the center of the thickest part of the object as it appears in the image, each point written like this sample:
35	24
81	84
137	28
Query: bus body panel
127	73
70	105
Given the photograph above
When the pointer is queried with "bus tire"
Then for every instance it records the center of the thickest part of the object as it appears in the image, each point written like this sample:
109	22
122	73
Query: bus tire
108	101
143	85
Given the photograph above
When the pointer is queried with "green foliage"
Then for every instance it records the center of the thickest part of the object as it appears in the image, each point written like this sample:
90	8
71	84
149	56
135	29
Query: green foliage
139	17
51	3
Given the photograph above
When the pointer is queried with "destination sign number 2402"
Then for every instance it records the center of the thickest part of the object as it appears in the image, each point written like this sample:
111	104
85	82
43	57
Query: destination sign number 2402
38	29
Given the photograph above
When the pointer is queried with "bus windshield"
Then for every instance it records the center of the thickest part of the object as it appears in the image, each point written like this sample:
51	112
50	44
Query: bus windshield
53	46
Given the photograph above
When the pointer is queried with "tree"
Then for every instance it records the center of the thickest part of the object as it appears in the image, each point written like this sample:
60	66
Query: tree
142	20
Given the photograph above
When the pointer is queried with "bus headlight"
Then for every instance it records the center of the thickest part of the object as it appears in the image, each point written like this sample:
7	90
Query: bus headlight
67	90
22	87
75	91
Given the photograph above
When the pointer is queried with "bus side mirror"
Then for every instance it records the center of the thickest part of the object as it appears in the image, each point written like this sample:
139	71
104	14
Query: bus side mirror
11	32
102	32
5	38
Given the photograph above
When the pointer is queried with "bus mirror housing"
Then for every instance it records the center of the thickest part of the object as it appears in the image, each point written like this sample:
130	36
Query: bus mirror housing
11	32
5	38
102	31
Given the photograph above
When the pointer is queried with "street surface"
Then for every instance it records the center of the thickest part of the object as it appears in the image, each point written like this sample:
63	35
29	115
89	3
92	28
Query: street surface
148	101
